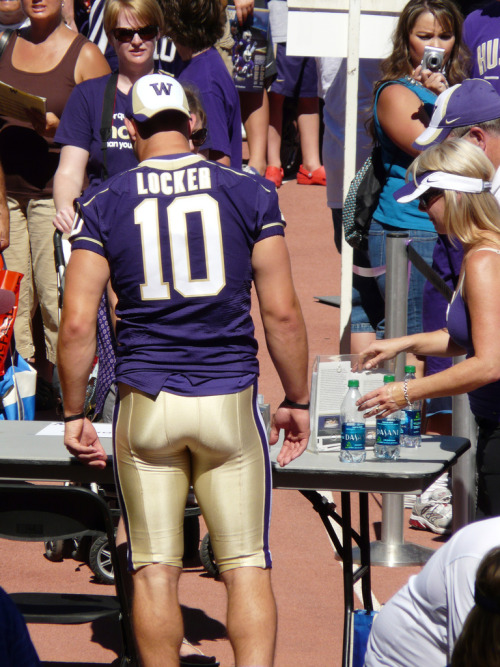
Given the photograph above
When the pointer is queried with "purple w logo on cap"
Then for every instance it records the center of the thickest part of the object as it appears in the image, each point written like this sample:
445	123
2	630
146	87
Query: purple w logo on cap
161	88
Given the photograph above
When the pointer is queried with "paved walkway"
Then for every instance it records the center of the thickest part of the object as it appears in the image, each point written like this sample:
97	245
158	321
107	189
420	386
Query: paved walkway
307	578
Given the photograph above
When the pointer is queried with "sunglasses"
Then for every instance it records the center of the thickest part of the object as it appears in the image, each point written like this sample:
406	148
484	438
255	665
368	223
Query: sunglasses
426	199
126	35
198	137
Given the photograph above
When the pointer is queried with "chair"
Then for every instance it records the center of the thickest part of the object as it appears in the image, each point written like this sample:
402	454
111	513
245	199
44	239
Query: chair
32	512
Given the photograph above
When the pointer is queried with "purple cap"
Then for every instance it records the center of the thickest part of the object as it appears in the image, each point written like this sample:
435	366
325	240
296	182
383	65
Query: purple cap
469	103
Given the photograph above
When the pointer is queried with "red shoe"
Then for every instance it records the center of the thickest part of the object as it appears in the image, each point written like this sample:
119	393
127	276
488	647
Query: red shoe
275	174
316	177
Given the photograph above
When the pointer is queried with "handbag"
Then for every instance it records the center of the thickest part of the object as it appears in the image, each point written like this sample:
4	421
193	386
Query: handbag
362	200
17	389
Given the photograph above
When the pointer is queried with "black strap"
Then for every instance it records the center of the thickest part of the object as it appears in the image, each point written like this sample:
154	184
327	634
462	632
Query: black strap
429	273
108	106
4	39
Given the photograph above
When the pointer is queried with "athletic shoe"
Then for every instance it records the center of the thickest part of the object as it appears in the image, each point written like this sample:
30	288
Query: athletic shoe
249	170
275	175
433	513
316	177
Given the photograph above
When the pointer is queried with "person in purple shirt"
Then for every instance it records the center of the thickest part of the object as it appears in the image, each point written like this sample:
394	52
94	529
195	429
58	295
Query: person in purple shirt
194	26
133	28
452	182
480	34
181	239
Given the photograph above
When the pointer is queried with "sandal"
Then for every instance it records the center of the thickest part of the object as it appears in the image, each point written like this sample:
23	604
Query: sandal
197	658
316	177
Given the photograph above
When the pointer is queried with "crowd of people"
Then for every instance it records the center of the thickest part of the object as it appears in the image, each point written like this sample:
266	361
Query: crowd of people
145	108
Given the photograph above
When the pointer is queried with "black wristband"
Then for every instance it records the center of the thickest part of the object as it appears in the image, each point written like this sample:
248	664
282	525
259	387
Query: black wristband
297	406
73	418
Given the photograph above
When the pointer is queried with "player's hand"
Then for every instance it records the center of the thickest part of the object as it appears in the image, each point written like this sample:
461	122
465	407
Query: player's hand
80	439
243	9
295	423
63	220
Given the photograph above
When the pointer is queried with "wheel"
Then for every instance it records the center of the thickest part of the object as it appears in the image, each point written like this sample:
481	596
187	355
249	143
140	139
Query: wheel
207	557
100	561
57	550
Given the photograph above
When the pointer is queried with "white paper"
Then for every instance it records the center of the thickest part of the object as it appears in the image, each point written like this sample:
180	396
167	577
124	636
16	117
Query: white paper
330	378
57	429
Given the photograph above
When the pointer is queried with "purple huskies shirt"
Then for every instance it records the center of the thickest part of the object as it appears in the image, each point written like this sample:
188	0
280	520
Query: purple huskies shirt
178	233
481	33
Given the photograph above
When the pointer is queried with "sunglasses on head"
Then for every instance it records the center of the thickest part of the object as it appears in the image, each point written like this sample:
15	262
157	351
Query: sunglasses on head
428	197
198	137
127	34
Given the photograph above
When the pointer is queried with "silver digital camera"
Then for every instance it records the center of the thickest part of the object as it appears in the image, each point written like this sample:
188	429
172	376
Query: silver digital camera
433	58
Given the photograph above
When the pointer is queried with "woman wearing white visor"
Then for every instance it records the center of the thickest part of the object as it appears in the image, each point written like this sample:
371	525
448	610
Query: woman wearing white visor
453	184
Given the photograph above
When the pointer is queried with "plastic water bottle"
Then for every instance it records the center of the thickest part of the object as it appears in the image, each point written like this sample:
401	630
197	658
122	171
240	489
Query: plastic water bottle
352	444
411	418
388	433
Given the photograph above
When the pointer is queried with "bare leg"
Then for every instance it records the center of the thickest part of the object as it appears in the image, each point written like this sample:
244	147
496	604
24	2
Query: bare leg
157	615
251	616
275	129
308	122
255	117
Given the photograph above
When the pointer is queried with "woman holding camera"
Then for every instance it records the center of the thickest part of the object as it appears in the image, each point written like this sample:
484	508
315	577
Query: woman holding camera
452	183
403	101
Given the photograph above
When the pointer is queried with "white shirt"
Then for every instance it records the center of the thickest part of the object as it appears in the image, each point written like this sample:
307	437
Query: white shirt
421	623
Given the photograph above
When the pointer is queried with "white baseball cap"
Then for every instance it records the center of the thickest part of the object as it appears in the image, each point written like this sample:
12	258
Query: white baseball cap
155	93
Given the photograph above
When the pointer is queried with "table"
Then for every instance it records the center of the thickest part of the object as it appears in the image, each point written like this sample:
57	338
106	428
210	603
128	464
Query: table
26	455
412	473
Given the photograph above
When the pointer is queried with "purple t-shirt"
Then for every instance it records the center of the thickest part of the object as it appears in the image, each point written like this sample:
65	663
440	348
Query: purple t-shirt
220	100
481	34
81	126
178	233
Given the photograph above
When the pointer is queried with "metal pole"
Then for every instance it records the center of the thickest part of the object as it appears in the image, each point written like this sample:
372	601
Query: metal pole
391	550
464	471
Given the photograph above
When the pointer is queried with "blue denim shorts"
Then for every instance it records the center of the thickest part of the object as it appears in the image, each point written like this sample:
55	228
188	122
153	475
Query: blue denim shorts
367	303
423	242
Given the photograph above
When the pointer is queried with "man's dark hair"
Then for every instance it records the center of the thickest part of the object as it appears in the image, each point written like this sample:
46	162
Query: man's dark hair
165	121
196	24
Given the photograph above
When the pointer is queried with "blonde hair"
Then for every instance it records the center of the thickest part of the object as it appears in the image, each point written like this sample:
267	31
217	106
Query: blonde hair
146	12
467	215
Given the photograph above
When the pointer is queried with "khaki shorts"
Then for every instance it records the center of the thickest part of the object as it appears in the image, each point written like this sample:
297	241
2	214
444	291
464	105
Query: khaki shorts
216	443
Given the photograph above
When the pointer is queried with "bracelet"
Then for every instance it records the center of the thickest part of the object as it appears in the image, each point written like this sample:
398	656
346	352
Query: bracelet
73	418
405	392
296	406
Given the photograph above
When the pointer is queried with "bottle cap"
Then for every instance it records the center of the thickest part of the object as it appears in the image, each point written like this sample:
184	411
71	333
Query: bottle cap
409	369
388	378
353	383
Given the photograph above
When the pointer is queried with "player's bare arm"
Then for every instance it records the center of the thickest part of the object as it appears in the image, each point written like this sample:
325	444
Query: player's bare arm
86	278
286	339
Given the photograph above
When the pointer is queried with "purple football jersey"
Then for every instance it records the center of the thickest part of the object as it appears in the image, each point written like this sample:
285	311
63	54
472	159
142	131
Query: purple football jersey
178	233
